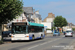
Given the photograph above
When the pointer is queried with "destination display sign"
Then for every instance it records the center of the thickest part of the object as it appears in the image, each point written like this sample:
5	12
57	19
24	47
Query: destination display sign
19	23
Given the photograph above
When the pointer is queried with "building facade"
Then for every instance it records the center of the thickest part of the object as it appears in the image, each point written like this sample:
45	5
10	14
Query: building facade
37	17
49	18
48	21
70	25
24	17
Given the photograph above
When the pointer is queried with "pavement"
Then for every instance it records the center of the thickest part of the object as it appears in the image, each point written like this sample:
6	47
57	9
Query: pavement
48	43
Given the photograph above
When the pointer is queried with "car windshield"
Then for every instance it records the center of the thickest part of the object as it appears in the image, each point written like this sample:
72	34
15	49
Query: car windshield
68	31
56	31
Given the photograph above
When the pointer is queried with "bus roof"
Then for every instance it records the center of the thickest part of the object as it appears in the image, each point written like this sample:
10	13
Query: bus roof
35	24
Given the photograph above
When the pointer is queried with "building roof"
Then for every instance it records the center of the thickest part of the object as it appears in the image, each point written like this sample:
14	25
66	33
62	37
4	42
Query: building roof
28	10
50	15
70	24
30	19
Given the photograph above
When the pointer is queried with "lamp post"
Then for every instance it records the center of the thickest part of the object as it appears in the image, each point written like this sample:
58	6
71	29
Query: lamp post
0	32
53	27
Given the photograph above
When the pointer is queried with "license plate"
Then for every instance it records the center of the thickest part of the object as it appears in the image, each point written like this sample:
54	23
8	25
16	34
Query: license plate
18	39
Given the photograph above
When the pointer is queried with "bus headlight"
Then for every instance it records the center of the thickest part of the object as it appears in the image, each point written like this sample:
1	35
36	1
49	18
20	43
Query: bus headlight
26	36
12	36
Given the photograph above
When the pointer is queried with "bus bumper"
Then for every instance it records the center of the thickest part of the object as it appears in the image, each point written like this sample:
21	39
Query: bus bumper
15	38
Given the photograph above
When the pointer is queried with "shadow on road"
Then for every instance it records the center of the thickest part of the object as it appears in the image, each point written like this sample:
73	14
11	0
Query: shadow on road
22	40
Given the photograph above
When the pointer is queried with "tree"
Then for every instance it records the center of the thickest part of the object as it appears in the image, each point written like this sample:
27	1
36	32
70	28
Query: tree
73	29
59	21
53	28
9	9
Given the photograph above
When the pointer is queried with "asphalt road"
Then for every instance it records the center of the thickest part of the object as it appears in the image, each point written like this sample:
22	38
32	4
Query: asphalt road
48	43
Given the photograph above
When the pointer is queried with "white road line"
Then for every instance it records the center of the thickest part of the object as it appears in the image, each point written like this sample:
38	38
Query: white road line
49	41
42	44
33	47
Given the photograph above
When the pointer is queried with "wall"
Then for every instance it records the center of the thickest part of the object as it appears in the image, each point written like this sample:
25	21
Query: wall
65	28
48	24
73	26
21	18
49	20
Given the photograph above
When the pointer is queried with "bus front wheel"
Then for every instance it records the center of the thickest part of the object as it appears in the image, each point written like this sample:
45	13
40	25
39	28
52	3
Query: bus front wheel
33	37
41	36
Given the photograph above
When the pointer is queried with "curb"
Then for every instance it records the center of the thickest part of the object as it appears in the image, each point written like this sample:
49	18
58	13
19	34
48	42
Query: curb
72	44
7	42
49	34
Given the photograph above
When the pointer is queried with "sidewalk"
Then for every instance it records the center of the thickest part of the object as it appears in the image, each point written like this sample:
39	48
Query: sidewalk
49	34
73	45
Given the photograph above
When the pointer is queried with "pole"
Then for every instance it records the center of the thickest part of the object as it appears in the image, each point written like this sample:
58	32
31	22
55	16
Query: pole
0	32
1	29
53	27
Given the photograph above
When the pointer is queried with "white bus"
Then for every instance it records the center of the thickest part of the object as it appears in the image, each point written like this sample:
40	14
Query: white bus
24	31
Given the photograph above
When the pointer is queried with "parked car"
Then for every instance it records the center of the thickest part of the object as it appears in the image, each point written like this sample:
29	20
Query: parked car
55	33
6	33
69	33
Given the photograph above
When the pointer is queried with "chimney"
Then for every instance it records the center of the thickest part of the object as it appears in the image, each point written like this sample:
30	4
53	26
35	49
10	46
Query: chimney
49	14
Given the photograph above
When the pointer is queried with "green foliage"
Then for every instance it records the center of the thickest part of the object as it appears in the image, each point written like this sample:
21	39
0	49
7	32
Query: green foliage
1	42
59	21
73	29
9	9
53	28
48	29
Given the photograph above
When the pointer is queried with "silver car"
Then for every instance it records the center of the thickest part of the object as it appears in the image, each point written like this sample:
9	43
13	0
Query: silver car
69	33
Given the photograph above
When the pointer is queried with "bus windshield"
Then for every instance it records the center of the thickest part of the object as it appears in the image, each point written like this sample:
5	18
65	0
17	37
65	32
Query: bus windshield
19	29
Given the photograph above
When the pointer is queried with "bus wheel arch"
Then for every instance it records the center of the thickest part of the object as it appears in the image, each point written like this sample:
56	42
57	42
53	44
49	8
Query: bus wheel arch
33	37
41	36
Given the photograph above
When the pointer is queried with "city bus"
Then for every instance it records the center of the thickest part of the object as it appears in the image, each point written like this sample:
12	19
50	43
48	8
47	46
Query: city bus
26	31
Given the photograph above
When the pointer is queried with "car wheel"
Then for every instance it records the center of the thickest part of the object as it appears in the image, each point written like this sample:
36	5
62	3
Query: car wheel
71	36
65	36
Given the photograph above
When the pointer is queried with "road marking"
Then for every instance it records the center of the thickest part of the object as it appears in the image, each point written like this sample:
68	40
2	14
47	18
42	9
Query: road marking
33	47
42	44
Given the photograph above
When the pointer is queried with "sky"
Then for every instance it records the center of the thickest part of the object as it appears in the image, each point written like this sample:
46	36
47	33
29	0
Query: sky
64	8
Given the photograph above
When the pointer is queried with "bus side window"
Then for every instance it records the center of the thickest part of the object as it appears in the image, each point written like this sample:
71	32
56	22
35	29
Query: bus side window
30	29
